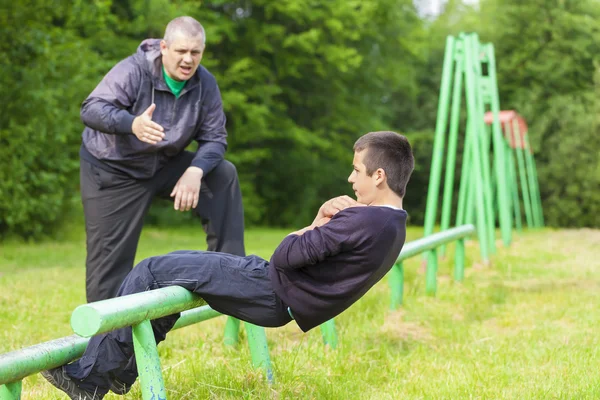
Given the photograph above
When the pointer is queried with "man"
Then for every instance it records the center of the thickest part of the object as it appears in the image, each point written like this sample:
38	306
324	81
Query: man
139	119
314	274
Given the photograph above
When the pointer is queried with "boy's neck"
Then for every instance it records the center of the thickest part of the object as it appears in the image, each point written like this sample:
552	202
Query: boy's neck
389	200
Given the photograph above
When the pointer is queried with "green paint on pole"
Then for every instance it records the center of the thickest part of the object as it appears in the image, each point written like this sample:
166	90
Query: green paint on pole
459	261
232	331
431	275
438	143
11	391
329	333
396	281
148	362
452	143
259	349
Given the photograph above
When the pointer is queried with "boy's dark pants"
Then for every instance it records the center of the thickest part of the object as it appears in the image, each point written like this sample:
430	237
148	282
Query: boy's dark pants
115	204
232	285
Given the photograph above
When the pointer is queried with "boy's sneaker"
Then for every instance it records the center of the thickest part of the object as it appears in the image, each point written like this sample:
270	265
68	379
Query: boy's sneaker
59	378
119	387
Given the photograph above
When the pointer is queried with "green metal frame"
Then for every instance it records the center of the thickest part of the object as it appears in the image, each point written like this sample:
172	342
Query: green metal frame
486	192
138	309
17	365
428	245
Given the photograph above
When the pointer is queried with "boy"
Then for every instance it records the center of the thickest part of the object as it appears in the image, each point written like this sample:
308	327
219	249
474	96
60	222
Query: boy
314	274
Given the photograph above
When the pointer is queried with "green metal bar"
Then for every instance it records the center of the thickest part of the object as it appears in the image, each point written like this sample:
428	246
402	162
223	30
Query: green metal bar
484	141
459	260
329	333
531	179
481	188
259	349
505	220
430	242
232	331
539	195
191	317
515	191
431	276
452	143
148	362
11	391
512	174
103	316
470	206
438	143
396	281
465	182
522	174
19	364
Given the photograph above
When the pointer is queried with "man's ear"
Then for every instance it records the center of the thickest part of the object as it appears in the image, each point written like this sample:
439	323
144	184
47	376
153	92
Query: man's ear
163	46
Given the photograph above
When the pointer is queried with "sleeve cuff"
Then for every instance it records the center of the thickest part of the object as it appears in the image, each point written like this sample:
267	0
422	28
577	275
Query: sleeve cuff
125	123
204	165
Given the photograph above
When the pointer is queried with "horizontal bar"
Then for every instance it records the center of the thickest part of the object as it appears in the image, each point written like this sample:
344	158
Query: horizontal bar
21	363
18	364
191	317
107	315
103	316
430	242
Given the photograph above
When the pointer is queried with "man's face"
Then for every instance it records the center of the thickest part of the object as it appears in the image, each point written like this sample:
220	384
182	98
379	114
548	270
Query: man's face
182	57
364	186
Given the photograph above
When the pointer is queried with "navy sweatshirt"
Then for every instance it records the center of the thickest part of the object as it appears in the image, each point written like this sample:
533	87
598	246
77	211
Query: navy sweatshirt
321	273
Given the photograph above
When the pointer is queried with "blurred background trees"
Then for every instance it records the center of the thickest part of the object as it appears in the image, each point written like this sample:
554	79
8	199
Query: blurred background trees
301	80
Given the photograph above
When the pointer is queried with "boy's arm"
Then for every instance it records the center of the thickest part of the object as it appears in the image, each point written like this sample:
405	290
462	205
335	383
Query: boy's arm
319	242
333	206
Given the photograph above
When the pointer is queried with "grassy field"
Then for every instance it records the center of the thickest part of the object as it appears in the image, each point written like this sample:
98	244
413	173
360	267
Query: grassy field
526	327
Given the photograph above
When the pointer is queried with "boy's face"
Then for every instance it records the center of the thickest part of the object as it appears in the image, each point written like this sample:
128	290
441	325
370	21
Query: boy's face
364	186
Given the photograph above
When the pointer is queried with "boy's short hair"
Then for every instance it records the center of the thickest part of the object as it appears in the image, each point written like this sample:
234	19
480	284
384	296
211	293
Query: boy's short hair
391	152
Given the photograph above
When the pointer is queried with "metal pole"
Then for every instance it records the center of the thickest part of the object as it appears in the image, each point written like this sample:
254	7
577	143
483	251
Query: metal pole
11	391
329	333
438	143
459	261
522	173
484	142
232	331
396	281
259	350
480	187
452	142
148	362
505	219
530	174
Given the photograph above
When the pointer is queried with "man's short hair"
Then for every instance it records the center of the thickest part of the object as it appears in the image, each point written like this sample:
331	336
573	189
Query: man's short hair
187	26
391	152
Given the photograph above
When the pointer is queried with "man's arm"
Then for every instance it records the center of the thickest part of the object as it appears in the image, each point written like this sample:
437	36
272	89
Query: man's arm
211	135
105	109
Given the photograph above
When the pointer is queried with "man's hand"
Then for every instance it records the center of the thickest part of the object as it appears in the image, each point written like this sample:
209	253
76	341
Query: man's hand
187	189
335	205
145	129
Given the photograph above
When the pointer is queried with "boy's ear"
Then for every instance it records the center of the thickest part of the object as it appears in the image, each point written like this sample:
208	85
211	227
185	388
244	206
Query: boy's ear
380	176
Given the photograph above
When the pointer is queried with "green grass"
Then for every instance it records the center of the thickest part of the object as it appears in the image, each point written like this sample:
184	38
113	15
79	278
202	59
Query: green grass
525	327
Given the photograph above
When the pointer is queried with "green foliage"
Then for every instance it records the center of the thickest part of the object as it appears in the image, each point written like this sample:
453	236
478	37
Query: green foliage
548	56
46	68
301	80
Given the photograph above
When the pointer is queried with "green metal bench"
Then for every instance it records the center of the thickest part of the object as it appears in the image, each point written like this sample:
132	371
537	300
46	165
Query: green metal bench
137	310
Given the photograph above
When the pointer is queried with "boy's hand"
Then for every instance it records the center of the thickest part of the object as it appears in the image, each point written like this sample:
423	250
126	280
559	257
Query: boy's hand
335	205
321	221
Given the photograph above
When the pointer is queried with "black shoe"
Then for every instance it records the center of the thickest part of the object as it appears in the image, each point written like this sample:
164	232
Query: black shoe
119	387
59	378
